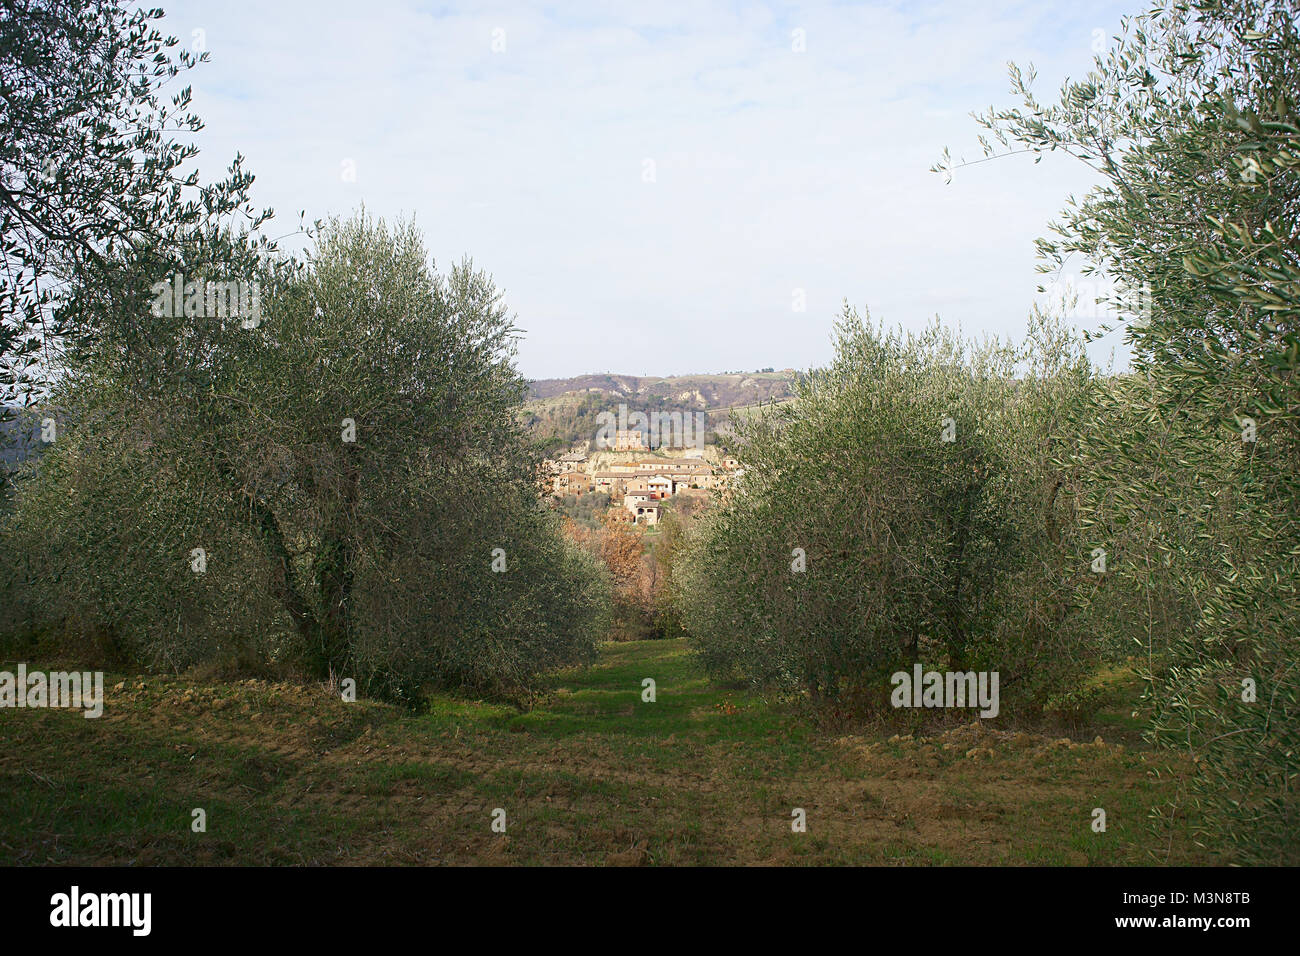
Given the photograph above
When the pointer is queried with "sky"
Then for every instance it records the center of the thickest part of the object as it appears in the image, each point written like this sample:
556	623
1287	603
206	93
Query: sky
658	187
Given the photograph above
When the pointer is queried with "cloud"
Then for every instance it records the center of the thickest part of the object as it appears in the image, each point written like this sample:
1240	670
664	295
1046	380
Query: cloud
773	170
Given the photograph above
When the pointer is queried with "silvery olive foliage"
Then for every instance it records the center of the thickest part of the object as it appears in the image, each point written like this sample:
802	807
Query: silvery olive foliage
93	166
918	473
349	465
1191	465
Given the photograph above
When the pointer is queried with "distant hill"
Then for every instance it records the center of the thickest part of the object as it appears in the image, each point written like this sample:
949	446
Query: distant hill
694	391
565	411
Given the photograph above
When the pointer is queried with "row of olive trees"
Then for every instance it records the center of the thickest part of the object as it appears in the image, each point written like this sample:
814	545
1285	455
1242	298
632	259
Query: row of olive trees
338	483
1069	518
1193	465
907	507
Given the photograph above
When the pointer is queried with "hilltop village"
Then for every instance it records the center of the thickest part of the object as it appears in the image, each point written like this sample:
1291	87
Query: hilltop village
637	483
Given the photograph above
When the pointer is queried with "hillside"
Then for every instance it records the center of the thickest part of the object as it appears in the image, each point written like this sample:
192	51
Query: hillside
564	411
687	391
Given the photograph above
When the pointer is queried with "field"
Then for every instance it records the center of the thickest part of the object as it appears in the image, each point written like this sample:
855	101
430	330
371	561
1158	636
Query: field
589	775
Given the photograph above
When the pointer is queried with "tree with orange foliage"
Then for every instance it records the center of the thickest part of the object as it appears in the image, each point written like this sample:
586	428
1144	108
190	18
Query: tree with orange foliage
621	549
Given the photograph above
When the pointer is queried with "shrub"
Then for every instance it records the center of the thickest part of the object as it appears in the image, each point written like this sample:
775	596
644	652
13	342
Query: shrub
352	467
916	475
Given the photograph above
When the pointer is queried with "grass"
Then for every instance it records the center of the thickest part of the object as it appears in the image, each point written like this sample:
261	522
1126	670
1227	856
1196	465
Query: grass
287	774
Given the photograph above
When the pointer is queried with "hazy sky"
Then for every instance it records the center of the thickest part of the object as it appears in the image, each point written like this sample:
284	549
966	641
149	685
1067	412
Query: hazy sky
524	136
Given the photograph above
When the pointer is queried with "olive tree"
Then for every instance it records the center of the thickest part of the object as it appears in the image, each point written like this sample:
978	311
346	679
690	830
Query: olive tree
350	458
1191	463
903	508
92	162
